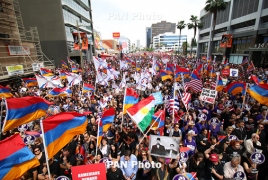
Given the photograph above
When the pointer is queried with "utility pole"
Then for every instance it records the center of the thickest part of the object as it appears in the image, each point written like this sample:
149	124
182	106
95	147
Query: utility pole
80	46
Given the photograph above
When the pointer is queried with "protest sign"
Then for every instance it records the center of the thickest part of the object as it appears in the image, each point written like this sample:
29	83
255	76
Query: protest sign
164	146
90	171
208	95
225	72
234	72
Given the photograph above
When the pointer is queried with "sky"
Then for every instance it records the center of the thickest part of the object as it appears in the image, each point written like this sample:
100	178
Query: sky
131	17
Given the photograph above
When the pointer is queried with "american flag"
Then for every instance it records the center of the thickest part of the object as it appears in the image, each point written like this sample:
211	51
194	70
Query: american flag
185	99
173	103
195	84
213	85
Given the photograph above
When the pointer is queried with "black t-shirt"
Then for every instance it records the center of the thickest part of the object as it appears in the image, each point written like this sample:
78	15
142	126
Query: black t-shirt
116	175
70	159
218	168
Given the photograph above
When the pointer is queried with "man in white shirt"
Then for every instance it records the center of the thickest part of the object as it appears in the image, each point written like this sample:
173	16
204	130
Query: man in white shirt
249	144
230	168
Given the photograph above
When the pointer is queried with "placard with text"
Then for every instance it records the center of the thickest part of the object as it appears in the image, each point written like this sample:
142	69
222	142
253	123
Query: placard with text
208	95
90	171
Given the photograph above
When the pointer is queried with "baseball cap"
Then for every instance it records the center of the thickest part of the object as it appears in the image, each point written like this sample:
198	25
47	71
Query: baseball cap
214	158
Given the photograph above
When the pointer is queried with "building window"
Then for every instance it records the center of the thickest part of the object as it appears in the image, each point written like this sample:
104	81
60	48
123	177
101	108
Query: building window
204	47
236	59
241	45
75	6
244	7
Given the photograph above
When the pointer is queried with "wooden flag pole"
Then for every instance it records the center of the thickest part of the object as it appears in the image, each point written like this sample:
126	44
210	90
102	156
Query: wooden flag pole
45	148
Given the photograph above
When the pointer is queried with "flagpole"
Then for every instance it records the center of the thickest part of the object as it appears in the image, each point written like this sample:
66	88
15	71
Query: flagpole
123	107
98	135
182	79
1	116
150	128
244	99
45	148
217	81
173	110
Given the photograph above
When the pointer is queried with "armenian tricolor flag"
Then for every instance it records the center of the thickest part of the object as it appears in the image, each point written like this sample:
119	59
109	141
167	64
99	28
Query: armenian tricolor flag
158	66
236	87
30	82
199	69
64	64
195	75
60	92
181	70
260	93
165	76
5	92
87	87
63	74
255	79
60	129
170	69
251	67
15	158
46	72
219	84
100	132
131	98
107	119
74	69
159	121
23	110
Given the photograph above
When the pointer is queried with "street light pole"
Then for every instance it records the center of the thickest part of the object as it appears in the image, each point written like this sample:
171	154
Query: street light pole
80	46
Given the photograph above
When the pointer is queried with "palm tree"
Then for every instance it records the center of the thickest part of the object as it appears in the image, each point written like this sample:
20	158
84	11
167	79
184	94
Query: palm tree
181	25
214	6
195	24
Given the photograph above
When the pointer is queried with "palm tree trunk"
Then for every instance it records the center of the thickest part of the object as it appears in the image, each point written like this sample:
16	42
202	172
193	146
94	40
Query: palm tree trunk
179	45
212	32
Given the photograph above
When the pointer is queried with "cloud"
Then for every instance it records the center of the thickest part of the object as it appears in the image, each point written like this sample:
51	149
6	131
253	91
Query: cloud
131	17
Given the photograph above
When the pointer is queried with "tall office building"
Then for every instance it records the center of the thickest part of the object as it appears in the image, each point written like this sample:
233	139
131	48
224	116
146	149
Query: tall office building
138	45
163	27
169	41
246	21
148	36
56	20
126	44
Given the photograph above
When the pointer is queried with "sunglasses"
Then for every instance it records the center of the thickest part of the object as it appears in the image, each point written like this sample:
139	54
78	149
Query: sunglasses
36	150
143	154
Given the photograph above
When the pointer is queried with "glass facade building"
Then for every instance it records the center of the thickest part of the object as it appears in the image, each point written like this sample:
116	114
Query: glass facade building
247	22
169	41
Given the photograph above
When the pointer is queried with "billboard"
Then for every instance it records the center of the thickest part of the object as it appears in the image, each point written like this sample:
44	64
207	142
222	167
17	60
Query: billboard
116	35
226	41
84	40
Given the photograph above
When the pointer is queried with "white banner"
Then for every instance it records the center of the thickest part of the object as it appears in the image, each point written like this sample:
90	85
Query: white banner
208	95
234	72
15	70
19	50
37	66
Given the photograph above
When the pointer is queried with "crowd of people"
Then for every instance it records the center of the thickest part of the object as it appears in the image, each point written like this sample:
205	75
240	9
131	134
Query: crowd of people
215	151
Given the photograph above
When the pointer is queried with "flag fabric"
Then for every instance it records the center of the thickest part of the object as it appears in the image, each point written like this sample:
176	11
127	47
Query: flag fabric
245	61
63	74
73	79
88	87
15	158
219	84
236	87
255	79
195	84
100	131
30	82
44	82
158	119
71	62
131	98
165	75
173	102
260	93
185	99
59	130
64	64
24	110
107	119
251	67
5	92
46	72
74	69
142	112
158	98
60	92
170	69
181	71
